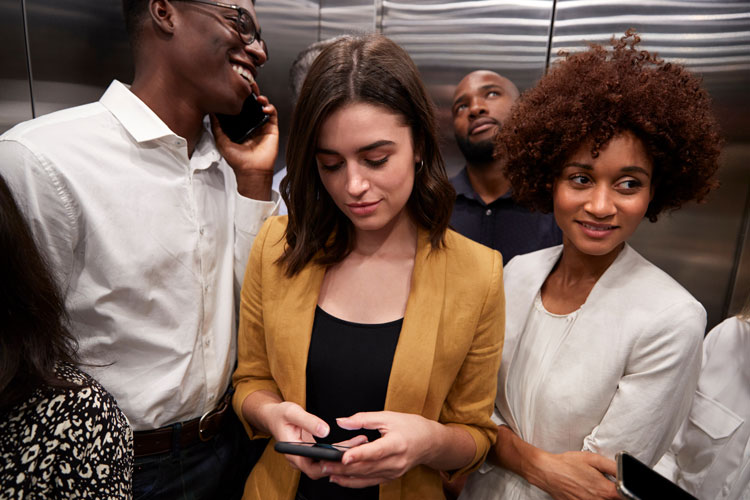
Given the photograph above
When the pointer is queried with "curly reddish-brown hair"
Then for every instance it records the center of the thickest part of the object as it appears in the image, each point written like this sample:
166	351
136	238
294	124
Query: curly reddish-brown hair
597	94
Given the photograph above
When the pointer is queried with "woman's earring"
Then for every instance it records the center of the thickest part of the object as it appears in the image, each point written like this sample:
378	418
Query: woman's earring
420	166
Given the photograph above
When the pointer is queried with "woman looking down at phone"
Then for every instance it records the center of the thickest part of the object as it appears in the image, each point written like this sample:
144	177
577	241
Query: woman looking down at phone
364	320
602	348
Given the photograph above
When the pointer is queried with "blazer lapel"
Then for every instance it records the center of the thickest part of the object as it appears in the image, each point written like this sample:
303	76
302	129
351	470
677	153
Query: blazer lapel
519	298
294	330
412	362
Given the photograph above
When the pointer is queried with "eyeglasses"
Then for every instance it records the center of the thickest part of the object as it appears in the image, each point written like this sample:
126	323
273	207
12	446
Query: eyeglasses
243	23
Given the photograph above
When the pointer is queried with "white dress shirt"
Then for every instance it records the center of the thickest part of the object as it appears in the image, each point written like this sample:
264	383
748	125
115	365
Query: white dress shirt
149	246
277	177
710	457
619	377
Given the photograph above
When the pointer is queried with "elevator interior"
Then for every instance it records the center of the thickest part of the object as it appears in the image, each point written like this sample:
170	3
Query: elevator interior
60	53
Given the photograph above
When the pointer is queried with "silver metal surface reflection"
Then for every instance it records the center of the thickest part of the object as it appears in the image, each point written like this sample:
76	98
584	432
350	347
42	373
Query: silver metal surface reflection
77	47
449	39
15	91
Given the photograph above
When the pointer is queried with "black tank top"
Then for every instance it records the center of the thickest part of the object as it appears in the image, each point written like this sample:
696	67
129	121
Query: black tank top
348	367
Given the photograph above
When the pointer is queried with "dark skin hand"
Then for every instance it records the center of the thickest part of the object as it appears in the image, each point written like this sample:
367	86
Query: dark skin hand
253	160
573	475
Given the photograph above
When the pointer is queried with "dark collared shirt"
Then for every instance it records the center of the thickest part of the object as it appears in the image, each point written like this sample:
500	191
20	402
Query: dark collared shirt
503	224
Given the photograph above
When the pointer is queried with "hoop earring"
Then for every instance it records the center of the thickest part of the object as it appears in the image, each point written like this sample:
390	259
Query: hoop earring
419	166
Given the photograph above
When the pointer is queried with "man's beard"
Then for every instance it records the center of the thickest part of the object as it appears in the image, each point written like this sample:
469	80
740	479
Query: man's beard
476	153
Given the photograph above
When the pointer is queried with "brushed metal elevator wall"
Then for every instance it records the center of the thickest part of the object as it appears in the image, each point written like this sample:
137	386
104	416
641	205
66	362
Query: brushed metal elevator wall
76	47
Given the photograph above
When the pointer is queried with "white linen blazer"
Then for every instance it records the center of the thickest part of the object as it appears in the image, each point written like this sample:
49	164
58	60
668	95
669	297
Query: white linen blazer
622	379
710	457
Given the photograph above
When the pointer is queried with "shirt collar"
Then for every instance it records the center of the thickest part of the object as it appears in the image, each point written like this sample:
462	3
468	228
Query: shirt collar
137	118
462	184
144	125
463	187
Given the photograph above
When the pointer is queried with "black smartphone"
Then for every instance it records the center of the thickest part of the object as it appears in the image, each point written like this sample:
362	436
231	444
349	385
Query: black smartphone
317	451
240	127
638	481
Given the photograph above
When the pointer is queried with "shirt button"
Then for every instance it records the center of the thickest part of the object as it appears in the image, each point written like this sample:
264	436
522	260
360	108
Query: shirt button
207	342
201	230
488	212
206	288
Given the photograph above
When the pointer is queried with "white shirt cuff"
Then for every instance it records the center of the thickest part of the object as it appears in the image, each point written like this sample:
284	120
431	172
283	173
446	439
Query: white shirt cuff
250	214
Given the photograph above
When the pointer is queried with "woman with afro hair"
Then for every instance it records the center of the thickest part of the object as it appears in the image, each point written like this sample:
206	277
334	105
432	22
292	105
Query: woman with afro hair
602	349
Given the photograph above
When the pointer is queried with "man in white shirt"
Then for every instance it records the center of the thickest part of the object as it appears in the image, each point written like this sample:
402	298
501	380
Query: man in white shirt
148	218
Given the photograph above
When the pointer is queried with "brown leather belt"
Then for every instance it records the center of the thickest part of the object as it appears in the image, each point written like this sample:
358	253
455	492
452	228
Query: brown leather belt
205	428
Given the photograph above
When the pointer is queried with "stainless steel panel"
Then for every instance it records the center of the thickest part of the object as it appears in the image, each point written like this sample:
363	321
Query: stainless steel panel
76	48
449	39
697	244
741	288
15	92
346	16
288	27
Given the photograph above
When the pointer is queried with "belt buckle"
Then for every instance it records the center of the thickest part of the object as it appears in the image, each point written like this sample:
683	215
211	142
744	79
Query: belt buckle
206	416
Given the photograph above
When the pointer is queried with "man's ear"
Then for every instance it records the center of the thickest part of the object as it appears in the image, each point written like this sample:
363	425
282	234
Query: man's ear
162	15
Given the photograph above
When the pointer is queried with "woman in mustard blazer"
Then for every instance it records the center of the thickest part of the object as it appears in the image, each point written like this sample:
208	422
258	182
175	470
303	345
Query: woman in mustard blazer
364	320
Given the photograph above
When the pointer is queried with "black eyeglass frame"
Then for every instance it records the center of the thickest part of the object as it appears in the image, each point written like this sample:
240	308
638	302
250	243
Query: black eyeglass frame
241	11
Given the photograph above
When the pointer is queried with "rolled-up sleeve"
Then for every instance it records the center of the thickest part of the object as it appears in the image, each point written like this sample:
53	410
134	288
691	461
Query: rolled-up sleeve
46	202
654	395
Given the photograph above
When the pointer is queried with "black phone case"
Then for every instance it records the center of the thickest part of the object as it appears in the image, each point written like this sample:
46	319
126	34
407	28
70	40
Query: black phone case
240	127
317	452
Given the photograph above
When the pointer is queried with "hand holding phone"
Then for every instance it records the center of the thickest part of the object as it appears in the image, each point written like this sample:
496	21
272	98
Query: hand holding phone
316	451
250	143
240	127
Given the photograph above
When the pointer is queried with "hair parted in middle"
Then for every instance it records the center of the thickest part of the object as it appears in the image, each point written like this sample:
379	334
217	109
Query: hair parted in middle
374	70
594	95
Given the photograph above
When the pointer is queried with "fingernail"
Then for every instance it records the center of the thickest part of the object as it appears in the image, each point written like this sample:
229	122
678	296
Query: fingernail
324	469
343	426
322	430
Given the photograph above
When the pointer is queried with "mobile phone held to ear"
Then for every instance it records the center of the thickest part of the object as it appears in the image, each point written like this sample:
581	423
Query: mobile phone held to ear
240	127
316	451
637	481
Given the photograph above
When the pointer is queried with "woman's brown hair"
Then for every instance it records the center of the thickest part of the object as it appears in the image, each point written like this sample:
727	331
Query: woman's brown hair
373	70
34	335
597	94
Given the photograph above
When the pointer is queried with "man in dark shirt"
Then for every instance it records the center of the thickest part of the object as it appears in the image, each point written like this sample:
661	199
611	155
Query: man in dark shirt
484	210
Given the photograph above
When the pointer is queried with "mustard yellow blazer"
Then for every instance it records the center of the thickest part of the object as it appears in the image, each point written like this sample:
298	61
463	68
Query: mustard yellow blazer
444	368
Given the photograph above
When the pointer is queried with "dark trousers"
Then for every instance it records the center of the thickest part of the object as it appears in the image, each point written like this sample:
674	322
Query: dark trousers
215	469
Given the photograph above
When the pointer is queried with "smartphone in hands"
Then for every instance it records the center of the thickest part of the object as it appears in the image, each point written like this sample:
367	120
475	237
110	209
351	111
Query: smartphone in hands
316	451
240	127
637	481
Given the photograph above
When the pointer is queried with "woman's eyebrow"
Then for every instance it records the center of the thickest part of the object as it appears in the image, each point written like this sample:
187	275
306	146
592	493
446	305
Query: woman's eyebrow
579	165
375	145
635	168
369	147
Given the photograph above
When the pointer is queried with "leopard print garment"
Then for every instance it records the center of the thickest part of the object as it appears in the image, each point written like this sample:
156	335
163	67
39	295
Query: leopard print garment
69	443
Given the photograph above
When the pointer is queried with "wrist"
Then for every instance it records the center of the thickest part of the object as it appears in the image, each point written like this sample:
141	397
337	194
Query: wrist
255	184
433	444
258	408
535	465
